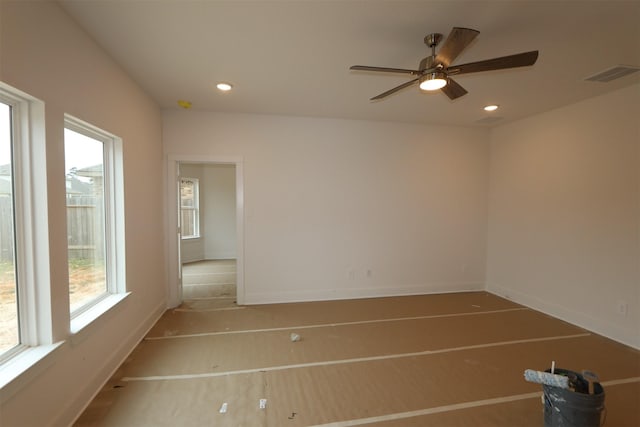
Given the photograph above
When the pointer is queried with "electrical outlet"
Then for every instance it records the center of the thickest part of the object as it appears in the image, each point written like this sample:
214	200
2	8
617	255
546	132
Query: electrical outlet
352	274
622	308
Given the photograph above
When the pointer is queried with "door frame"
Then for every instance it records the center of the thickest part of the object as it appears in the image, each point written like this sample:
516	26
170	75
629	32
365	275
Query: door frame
174	267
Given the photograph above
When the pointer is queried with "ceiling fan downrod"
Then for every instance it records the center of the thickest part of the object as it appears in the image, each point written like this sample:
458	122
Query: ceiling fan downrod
432	41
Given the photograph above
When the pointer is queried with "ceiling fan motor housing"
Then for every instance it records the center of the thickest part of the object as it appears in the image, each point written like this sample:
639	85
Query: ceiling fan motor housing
427	63
432	39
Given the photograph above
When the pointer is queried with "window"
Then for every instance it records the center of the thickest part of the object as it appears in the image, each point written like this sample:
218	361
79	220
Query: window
189	208
25	298
95	212
9	332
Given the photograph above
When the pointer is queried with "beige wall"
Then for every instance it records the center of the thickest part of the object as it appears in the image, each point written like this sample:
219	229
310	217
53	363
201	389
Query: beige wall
564	213
220	211
45	54
326	201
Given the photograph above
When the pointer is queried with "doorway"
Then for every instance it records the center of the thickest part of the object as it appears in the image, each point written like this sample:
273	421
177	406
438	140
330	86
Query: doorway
209	284
206	252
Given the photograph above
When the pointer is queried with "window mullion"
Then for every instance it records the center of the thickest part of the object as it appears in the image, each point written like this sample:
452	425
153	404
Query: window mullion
22	218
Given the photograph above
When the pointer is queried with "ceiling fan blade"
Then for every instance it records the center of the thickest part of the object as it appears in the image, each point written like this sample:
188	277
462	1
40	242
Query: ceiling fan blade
395	89
456	41
511	61
383	69
453	90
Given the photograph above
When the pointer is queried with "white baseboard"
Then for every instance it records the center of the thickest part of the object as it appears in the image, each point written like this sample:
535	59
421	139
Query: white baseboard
286	296
598	325
72	412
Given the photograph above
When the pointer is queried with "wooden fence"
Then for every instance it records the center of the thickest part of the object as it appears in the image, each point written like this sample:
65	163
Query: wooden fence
85	227
6	228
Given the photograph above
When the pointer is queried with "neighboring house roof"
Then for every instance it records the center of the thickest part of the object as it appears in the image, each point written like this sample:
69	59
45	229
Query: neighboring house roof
83	186
75	186
91	171
5	179
5	184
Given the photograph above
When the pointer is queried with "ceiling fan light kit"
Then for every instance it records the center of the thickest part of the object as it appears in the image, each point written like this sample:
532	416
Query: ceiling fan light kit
435	71
433	81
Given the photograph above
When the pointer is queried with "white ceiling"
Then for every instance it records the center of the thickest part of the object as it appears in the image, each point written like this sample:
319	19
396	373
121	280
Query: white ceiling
293	57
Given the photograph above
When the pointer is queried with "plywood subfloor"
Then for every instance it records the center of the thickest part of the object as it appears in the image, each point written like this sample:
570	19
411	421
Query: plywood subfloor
454	359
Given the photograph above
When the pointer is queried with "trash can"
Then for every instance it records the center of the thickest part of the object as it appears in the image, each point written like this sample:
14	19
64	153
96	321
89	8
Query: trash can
573	408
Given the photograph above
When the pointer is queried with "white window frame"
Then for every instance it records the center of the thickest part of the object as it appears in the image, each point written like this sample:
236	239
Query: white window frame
115	268
31	238
195	209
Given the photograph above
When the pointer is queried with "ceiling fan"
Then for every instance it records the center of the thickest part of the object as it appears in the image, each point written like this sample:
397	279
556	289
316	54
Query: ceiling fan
435	71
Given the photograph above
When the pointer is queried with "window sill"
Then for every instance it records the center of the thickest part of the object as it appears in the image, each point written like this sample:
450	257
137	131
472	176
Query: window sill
105	306
24	367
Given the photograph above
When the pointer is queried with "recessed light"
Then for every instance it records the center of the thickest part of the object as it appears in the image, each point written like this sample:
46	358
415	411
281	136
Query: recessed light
225	87
491	108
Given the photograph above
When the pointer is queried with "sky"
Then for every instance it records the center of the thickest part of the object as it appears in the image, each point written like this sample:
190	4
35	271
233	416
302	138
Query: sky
80	151
5	150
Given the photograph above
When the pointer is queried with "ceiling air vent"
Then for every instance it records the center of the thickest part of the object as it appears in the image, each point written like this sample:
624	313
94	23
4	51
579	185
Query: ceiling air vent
613	73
